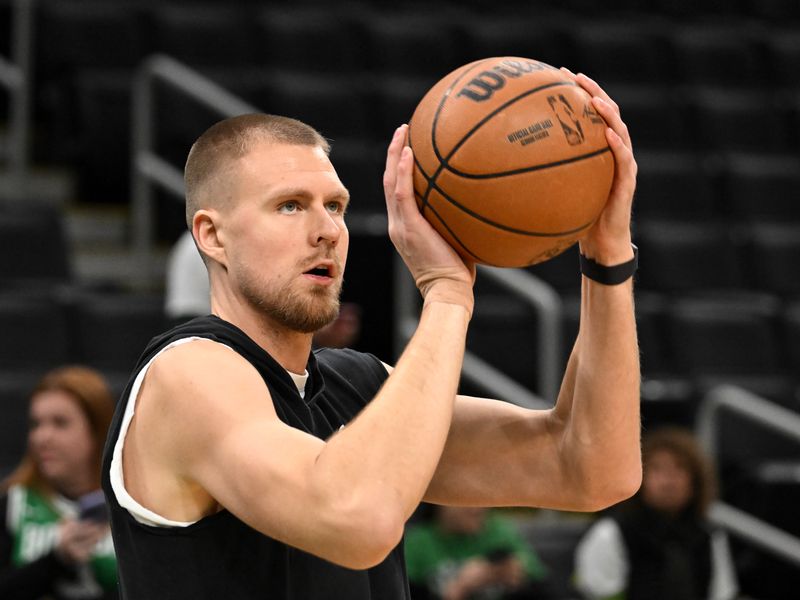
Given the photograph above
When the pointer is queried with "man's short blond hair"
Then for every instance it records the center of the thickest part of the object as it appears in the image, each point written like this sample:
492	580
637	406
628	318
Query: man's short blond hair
231	139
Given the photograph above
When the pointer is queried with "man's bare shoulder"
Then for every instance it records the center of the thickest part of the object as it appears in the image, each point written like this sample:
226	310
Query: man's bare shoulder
202	371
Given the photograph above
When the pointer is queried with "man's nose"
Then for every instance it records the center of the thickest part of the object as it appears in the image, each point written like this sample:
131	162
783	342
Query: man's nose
327	228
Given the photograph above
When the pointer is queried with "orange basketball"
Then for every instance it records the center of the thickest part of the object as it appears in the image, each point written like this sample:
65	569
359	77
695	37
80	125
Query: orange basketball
512	165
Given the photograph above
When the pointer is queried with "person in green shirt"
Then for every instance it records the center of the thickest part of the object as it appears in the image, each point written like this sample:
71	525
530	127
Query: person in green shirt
472	554
55	541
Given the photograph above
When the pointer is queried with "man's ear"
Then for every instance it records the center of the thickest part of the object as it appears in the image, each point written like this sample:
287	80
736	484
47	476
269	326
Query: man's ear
206	231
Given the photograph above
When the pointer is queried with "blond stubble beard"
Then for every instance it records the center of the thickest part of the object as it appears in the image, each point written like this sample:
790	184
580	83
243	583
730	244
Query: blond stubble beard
305	313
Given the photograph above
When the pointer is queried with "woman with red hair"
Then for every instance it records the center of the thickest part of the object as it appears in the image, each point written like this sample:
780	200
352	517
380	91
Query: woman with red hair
55	541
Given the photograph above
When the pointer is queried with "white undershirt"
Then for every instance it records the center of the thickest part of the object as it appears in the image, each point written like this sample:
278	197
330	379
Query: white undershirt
126	501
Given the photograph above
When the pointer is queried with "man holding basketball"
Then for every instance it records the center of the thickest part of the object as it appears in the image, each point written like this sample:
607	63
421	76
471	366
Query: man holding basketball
254	468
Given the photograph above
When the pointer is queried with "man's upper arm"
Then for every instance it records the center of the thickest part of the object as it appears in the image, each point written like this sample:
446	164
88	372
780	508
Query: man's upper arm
210	419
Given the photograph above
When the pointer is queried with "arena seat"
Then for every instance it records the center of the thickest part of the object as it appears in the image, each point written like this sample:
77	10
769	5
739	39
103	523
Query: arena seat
407	42
35	251
791	329
104	121
785	58
503	333
775	257
15	389
749	120
762	187
675	185
334	109
733	334
554	542
112	329
360	167
726	55
35	330
205	34
562	272
688	256
394	99
655	116
89	34
623	51
496	34
284	35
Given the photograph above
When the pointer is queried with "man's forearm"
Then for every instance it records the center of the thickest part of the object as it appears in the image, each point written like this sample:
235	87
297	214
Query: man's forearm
389	453
601	414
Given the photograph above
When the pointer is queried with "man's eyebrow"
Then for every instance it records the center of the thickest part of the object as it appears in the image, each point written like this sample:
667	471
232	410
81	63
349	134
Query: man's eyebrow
343	194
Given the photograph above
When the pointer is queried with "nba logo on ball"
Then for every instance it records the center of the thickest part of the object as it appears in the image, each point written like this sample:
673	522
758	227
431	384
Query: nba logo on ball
512	165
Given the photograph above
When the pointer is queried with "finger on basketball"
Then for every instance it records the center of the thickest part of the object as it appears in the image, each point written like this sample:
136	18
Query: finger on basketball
392	158
612	119
594	89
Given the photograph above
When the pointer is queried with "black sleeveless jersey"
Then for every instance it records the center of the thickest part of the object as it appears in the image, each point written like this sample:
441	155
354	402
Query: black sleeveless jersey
221	556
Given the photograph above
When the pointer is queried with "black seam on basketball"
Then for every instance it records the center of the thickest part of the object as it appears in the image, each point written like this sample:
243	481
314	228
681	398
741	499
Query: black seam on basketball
557	163
445	96
483	219
435	148
450	231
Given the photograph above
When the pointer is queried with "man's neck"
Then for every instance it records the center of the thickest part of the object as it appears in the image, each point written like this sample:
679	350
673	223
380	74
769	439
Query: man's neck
288	347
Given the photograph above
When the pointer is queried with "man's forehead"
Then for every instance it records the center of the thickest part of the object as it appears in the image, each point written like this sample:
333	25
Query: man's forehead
278	159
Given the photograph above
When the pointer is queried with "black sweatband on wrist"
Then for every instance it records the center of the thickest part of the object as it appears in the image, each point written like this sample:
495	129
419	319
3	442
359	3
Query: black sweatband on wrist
610	275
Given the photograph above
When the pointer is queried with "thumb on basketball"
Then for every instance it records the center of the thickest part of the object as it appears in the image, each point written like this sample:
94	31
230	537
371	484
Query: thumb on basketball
429	258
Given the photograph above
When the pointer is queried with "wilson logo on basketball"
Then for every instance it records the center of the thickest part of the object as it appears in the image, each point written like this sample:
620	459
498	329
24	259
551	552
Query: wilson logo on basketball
486	83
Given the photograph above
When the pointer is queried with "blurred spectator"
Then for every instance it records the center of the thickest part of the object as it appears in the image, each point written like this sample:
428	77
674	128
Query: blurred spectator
55	541
342	332
659	544
187	290
471	553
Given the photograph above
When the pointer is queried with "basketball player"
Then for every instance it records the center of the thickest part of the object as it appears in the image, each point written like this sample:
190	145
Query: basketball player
241	465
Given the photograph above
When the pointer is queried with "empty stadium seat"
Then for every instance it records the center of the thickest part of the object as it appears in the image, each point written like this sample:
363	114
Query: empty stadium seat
309	39
732	335
708	54
35	330
113	329
562	272
104	121
750	120
89	34
654	115
205	34
408	42
15	389
360	167
785	58
623	51
688	256
503	333
336	110
548	40
35	250
791	329
673	185
762	187
776	257
393	100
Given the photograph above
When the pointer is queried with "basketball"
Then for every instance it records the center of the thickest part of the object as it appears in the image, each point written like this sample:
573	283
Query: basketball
512	165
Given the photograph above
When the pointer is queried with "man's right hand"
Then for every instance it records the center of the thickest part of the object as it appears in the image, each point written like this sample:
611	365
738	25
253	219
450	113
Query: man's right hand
439	272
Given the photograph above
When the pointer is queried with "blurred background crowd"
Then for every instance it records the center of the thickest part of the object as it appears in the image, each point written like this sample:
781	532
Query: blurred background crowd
99	103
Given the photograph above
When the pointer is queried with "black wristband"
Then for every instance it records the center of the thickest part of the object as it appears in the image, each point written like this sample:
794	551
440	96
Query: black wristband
610	275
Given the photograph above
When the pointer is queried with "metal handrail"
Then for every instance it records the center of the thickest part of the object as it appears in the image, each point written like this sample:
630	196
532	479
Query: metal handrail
767	414
15	75
542	299
147	168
